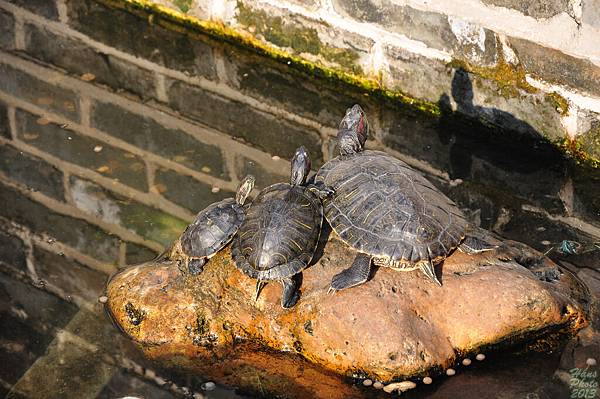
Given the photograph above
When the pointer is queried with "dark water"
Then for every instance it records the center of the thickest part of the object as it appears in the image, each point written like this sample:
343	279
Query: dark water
516	184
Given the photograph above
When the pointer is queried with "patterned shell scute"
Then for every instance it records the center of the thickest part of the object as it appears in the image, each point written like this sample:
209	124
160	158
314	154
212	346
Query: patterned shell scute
384	208
213	227
280	234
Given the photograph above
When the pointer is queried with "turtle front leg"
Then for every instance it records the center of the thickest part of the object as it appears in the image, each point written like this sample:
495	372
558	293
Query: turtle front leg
427	268
196	265
291	291
356	274
321	189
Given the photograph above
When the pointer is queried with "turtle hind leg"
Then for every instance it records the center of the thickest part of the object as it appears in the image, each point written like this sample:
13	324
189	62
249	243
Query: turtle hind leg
428	270
195	266
356	274
291	291
474	245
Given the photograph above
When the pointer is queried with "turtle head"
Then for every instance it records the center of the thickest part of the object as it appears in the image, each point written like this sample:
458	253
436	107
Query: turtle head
300	167
244	189
354	130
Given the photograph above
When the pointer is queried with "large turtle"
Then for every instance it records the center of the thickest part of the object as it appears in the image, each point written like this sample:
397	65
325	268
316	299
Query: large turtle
280	233
212	229
387	211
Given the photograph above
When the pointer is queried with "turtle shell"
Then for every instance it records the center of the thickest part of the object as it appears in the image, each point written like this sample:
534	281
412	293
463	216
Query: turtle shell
280	233
384	208
212	229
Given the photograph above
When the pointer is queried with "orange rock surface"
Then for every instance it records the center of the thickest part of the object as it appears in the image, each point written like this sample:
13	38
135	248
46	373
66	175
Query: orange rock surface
396	326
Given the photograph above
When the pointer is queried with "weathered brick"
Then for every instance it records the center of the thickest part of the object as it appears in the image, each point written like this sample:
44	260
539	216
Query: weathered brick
45	95
76	233
591	13
417	76
4	125
7	30
68	275
31	171
81	150
539	9
269	133
186	191
12	251
302	34
146	221
263	177
464	40
556	66
45	8
76	57
135	254
297	92
140	38
44	312
146	133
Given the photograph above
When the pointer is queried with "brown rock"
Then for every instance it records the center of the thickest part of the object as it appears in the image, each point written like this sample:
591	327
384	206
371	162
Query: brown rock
395	327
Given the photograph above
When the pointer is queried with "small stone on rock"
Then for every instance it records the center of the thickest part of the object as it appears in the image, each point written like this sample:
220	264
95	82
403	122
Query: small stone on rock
367	382
427	380
466	362
98	148
450	372
103	299
377	385
402	386
215	190
88	77
480	356
590	361
208	386
546	242
275	158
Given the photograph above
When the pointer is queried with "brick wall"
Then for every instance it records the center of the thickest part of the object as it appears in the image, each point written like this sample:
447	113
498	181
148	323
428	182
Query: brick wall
538	60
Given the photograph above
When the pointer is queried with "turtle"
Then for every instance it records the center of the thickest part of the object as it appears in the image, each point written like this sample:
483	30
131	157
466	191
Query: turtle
212	229
387	211
279	236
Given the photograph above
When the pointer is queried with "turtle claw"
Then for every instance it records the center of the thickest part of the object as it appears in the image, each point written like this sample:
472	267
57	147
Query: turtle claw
331	290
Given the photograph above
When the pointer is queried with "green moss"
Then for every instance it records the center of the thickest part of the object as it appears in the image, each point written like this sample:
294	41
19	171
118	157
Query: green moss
560	103
509	78
183	5
300	39
584	150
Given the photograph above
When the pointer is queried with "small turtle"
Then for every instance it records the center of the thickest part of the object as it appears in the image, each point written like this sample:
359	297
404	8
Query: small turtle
212	229
280	233
387	211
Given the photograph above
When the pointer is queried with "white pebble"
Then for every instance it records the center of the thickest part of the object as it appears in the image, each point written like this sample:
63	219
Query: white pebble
590	361
103	299
98	148
427	380
275	158
208	386
367	382
377	385
466	362
450	372
480	357
546	242
215	189
399	386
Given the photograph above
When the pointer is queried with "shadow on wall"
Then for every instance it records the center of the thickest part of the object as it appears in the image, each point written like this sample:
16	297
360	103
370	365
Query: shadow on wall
522	150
